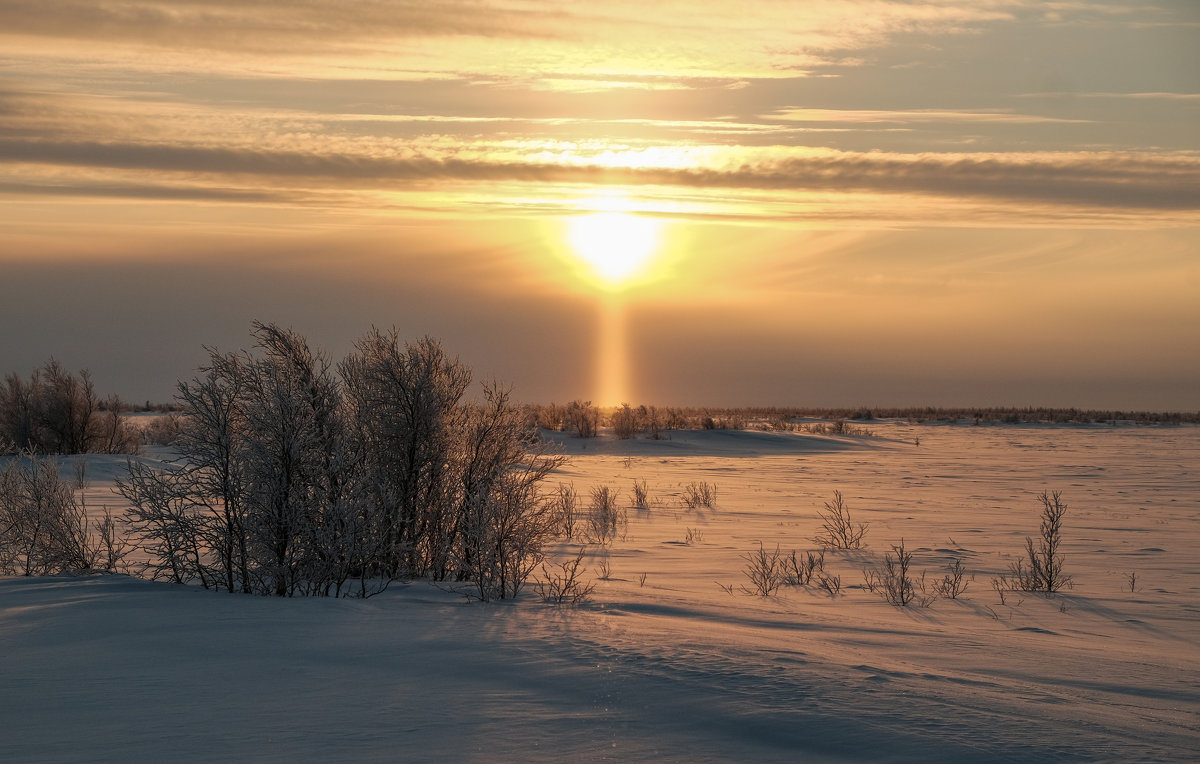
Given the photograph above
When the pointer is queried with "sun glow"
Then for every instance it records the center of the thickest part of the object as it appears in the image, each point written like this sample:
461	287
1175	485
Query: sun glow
617	245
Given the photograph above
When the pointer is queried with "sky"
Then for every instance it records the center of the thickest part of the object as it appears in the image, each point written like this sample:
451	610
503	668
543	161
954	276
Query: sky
823	203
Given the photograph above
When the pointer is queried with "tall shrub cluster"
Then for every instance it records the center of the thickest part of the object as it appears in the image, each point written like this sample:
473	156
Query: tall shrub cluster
58	412
299	477
44	524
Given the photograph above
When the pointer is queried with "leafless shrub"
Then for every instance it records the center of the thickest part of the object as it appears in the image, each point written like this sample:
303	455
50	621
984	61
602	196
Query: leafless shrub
1041	570
565	584
162	430
44	526
1003	586
113	546
605	567
840	532
764	570
582	418
565	507
727	588
605	520
641	498
1131	579
624	422
642	580
953	583
296	478
897	583
799	570
831	583
696	495
58	412
694	536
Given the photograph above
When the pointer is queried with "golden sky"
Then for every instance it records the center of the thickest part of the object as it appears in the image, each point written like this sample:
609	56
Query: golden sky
839	202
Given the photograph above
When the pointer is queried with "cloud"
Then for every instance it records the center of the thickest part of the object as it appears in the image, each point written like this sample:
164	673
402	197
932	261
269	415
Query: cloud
1145	96
1100	179
990	116
620	43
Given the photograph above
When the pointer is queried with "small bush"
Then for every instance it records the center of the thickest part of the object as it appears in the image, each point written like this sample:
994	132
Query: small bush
765	571
697	495
605	520
839	531
896	583
799	571
830	583
953	583
1041	570
641	495
163	430
565	507
565	585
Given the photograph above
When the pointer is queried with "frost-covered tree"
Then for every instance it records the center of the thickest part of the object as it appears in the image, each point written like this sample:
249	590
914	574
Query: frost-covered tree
405	418
292	479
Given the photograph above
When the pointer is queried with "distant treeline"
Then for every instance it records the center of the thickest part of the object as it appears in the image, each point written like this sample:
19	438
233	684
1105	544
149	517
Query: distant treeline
583	419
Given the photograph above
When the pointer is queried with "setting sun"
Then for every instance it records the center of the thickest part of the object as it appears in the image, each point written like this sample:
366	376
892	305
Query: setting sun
616	244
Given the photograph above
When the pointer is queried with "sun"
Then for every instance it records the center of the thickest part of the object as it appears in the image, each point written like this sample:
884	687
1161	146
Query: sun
617	245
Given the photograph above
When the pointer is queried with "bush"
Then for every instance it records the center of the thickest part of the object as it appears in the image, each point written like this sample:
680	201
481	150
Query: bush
799	571
641	495
764	570
605	520
896	582
57	412
295	478
839	531
1042	568
697	495
582	418
953	583
44	526
565	585
624	422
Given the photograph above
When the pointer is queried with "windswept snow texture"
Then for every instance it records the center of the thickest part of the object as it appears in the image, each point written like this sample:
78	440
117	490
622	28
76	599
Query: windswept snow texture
676	668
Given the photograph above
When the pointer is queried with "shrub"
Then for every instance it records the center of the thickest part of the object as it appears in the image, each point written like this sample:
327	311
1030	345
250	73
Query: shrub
605	520
696	495
764	570
953	583
624	422
582	418
830	583
565	585
1041	570
839	531
57	412
44	526
896	582
641	495
296	478
565	506
799	571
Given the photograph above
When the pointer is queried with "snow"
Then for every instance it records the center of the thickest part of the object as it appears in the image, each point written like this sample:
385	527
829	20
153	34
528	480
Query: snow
111	668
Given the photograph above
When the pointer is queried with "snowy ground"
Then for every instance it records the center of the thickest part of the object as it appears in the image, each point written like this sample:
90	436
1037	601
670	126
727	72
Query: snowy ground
109	668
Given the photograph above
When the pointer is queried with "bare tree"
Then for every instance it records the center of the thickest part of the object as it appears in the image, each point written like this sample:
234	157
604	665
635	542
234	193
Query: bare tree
404	410
57	412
